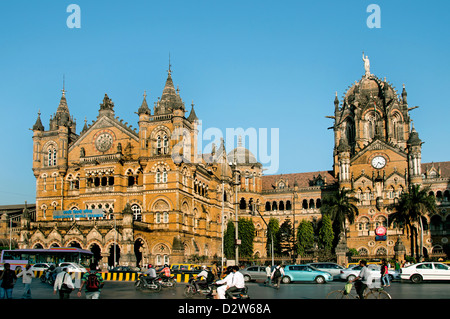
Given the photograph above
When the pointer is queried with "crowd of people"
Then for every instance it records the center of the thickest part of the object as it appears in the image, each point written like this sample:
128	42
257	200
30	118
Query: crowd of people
92	281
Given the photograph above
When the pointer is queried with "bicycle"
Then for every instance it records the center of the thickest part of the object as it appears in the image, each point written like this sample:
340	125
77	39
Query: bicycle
369	293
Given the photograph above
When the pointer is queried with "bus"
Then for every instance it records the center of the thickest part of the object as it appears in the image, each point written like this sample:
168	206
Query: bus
54	255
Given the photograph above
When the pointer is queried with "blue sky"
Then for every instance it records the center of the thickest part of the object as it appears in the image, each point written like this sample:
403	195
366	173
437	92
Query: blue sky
260	64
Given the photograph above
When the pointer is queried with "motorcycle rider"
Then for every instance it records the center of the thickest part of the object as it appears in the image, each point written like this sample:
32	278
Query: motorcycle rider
237	283
165	272
224	282
204	277
150	274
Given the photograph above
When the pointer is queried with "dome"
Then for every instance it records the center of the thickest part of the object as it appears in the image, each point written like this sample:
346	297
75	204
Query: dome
369	87
241	155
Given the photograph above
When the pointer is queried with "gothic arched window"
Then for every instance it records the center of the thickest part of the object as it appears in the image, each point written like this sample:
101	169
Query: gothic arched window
51	156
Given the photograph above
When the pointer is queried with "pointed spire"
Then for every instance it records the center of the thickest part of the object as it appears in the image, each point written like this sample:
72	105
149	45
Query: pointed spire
85	127
144	106
62	116
38	125
170	100
336	102
404	95
192	116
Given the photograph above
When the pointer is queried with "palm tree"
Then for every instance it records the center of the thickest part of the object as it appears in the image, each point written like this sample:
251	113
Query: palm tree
411	207
340	206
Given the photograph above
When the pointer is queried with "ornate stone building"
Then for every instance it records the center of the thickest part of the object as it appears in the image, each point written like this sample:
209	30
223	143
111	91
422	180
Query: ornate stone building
163	201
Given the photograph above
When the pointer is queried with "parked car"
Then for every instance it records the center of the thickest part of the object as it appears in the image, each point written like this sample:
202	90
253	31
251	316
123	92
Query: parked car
254	273
353	272
72	267
331	268
125	269
305	273
426	271
185	268
40	267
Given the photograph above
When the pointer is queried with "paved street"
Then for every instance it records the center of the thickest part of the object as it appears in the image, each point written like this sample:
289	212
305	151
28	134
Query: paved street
125	290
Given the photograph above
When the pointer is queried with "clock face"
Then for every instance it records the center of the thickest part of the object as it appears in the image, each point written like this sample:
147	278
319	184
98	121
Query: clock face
378	162
104	142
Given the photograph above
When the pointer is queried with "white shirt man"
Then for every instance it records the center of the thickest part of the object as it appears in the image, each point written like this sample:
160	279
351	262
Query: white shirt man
225	282
237	283
63	278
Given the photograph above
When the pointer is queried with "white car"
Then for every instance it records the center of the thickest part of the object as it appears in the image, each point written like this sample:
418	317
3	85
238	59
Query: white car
40	267
331	268
72	267
426	271
353	272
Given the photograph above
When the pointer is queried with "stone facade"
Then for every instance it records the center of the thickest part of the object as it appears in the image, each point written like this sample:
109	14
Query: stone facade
163	201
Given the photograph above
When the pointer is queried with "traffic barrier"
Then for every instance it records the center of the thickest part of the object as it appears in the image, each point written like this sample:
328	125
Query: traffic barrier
126	276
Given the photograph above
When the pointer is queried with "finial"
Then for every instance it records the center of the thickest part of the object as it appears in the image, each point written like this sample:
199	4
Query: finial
170	66
64	85
192	104
145	94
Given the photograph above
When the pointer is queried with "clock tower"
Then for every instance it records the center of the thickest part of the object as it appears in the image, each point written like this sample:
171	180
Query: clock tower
377	153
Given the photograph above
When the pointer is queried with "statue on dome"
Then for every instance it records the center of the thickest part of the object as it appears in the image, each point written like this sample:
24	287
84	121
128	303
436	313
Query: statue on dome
366	65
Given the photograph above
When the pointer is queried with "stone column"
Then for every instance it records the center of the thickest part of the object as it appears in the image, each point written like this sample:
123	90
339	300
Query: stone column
341	250
399	250
128	256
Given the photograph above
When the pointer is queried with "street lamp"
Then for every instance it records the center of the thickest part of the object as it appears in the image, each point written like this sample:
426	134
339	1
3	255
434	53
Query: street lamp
294	253
236	228
256	209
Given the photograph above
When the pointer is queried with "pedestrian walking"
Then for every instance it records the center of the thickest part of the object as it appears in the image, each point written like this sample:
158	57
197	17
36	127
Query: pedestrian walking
63	284
269	275
27	277
277	275
8	278
397	267
93	282
385	273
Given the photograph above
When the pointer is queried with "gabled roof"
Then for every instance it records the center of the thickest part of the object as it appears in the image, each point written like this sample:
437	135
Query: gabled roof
302	179
107	121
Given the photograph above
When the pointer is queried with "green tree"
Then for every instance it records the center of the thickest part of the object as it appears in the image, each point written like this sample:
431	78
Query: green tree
340	206
229	240
246	231
305	237
411	208
284	238
326	235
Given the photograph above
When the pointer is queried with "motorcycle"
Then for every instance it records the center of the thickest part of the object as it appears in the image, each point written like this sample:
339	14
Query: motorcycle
167	282
47	277
204	289
145	282
241	293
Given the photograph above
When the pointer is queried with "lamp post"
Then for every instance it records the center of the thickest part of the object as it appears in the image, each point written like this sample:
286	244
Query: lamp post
223	209
236	228
256	209
294	252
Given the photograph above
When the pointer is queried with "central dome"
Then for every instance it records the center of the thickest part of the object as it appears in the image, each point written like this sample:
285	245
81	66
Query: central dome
241	155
